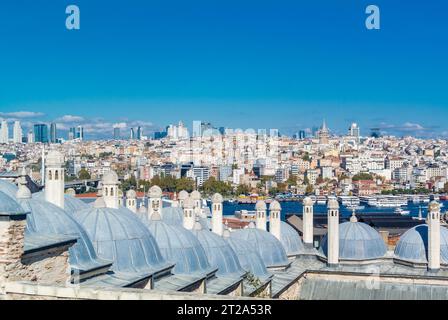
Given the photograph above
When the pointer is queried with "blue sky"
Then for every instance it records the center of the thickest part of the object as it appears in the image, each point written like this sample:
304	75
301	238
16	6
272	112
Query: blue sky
258	64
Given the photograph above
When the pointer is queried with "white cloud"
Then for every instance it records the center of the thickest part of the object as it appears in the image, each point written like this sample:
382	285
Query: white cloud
22	114
70	118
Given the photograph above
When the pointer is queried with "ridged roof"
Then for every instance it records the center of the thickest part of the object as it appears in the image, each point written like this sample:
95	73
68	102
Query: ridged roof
413	245
357	241
71	204
10	205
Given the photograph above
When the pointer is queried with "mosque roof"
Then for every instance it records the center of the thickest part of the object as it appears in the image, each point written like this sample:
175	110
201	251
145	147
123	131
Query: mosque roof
291	240
8	188
118	235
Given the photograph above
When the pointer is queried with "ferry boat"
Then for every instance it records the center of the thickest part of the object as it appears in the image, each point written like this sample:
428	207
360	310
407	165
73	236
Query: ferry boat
349	201
385	201
402	212
356	208
420	199
321	200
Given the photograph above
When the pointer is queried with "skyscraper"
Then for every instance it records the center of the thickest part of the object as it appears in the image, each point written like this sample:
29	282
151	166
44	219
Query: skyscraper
30	137
116	133
354	131
80	133
139	133
41	133
132	134
4	132
72	134
53	135
17	132
197	128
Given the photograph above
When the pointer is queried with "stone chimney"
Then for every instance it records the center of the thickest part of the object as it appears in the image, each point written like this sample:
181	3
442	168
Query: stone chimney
433	221
308	222
189	218
275	219
333	233
131	200
261	219
217	209
155	201
55	178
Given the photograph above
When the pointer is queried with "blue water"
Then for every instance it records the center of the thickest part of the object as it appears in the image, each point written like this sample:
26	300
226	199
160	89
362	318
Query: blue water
296	207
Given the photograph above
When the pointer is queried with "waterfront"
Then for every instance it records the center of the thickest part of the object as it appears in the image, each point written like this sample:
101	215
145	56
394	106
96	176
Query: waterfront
296	207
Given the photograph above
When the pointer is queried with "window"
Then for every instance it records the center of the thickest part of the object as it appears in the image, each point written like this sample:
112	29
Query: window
56	175
50	175
112	192
106	191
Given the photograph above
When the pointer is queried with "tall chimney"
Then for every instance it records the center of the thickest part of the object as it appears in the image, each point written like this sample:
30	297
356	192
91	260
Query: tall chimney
308	221
433	221
333	233
217	209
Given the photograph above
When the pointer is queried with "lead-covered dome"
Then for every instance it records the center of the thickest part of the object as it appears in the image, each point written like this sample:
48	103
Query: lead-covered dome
219	252
357	241
413	245
248	257
9	188
10	205
180	246
290	240
110	177
118	235
47	218
71	204
269	248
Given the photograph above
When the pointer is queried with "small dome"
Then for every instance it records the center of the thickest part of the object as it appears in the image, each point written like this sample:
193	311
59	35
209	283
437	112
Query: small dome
333	204
131	194
183	195
308	202
189	203
196	195
110	177
118	235
275	206
71	192
357	241
248	257
10	205
260	206
268	247
155	192
217	198
291	240
9	188
180	246
219	252
46	218
413	245
434	206
54	159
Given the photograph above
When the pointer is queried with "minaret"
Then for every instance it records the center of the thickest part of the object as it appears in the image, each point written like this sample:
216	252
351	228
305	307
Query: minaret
333	233
261	221
308	222
433	221
275	219
54	178
155	201
183	195
189	215
131	200
110	189
217	226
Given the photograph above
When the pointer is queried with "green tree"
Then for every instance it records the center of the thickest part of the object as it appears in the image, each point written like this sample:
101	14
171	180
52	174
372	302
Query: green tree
242	189
362	176
84	174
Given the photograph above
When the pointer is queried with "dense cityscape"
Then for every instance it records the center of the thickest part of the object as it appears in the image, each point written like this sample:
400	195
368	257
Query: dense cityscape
239	162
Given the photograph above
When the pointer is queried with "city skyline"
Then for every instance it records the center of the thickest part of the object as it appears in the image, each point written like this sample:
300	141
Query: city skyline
281	66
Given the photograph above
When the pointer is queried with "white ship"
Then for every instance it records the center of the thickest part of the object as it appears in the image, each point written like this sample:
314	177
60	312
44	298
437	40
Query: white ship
349	201
402	212
385	201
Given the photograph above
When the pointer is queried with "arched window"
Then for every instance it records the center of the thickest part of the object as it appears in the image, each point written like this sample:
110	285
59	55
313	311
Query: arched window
50	175
106	192
56	175
112	192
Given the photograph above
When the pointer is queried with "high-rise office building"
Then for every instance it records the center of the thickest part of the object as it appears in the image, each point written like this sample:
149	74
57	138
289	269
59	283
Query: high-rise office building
139	133
53	135
4	132
72	134
30	137
80	133
197	129
17	132
116	133
132	134
41	133
302	134
354	131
